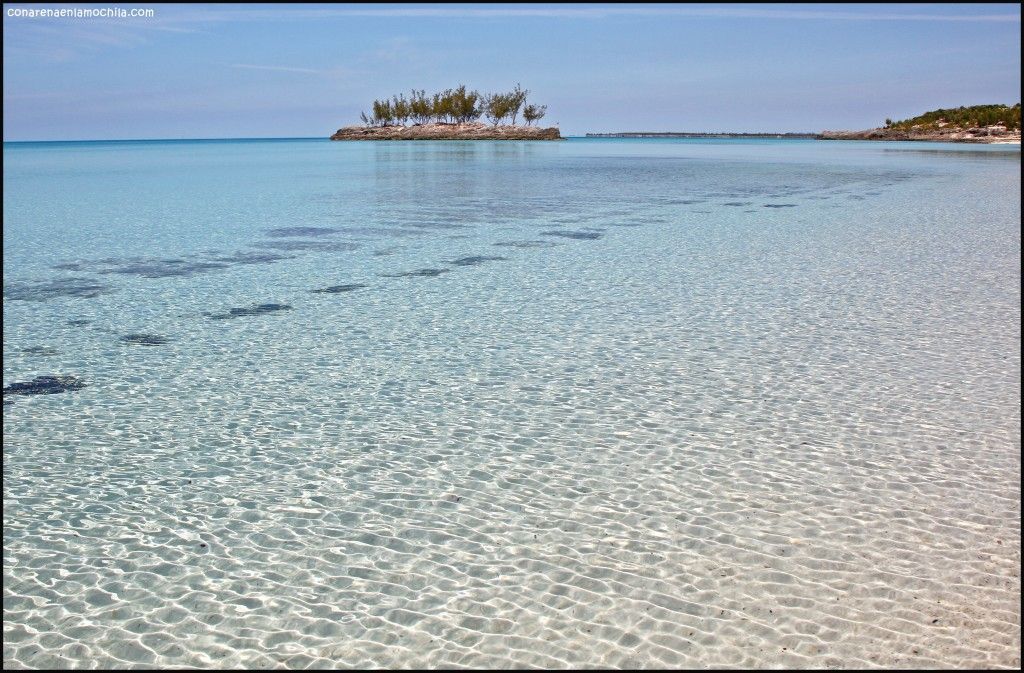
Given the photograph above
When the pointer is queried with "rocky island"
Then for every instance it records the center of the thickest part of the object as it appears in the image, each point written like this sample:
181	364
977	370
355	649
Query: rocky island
451	115
975	124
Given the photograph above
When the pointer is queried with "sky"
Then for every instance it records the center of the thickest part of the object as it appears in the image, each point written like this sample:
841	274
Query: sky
264	70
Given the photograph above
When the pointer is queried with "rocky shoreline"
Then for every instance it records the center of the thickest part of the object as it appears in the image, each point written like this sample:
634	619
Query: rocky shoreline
949	134
467	131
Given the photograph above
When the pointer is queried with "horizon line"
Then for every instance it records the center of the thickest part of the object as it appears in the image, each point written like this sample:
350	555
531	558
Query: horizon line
580	135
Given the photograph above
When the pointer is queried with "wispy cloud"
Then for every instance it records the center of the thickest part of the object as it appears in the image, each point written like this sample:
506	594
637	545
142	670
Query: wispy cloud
63	40
394	50
279	68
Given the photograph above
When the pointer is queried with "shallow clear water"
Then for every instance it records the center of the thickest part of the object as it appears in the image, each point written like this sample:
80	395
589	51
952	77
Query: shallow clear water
592	403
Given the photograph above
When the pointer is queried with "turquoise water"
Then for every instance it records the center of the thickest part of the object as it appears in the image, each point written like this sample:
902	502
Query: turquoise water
601	402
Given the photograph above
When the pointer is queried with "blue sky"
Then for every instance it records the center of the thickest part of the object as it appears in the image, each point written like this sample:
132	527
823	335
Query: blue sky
205	71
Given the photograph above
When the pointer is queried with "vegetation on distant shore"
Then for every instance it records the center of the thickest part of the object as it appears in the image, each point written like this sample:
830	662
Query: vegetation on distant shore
964	117
453	106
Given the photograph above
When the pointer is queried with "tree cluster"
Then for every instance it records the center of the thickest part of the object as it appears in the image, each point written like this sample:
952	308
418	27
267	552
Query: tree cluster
964	117
453	106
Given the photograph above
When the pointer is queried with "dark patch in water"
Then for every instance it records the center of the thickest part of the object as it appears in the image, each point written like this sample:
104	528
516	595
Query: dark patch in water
780	205
79	322
577	235
175	267
145	339
476	259
736	203
384	252
436	225
382	231
165	268
40	350
426	273
254	258
66	287
298	232
527	244
673	201
45	385
336	289
332	246
255	309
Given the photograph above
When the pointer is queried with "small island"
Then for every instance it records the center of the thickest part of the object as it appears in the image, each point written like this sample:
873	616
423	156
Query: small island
975	124
452	114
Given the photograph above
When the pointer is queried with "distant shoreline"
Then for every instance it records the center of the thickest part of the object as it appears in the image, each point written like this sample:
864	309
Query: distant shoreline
688	134
977	136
